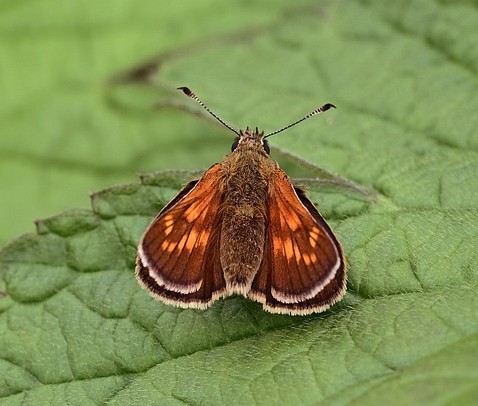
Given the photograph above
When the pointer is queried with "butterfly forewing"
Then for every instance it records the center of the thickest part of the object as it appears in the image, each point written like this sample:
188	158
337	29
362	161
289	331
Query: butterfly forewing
174	249
302	258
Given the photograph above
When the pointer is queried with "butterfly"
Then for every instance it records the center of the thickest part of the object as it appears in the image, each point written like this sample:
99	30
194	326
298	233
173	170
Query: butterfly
244	229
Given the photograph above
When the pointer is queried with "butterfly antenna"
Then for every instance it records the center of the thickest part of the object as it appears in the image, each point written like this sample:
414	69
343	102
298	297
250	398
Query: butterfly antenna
187	91
319	110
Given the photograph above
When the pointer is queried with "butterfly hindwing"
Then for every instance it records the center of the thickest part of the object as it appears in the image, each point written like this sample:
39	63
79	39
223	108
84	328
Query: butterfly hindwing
212	288
178	257
303	268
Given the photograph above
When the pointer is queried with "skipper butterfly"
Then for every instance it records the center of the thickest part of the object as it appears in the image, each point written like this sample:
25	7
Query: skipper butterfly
245	229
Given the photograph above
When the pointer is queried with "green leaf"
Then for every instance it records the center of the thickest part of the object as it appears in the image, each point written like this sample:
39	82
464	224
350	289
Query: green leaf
76	328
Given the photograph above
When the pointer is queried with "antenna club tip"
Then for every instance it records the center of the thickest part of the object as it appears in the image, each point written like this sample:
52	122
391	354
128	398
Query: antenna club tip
328	106
185	90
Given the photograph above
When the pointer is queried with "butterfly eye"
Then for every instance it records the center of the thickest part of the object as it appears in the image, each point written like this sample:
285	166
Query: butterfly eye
235	144
265	145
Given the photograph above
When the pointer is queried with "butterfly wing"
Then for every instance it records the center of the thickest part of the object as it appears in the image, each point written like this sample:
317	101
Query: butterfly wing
178	256
303	268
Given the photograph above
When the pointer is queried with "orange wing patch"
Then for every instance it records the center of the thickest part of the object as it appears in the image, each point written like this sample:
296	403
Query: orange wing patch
305	257
175	247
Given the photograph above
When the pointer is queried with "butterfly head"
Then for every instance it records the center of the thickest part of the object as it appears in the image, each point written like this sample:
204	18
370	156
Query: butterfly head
249	138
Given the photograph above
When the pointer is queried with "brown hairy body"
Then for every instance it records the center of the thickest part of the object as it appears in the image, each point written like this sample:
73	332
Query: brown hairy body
245	176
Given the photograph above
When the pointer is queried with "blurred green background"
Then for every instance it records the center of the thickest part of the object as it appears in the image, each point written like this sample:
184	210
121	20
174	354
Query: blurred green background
84	85
69	128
